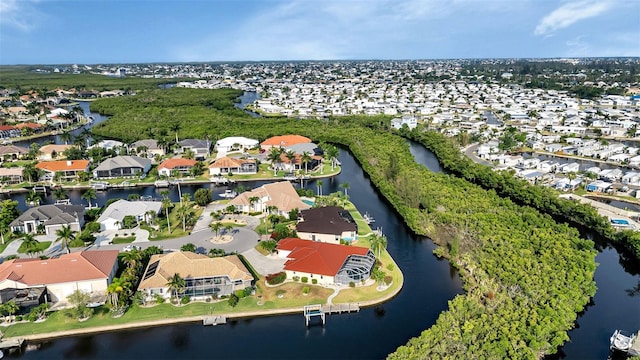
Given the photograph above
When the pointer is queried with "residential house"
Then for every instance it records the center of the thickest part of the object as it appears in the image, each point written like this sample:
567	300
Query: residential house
52	152
200	148
122	166
598	186
112	217
204	276
11	175
235	143
410	121
283	141
7	131
87	271
228	165
67	169
49	218
12	152
148	148
108	145
280	196
176	165
327	263
331	224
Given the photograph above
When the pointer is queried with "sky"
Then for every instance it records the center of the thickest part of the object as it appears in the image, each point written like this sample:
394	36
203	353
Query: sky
134	31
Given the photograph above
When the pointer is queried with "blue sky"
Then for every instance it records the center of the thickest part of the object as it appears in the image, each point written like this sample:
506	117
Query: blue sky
125	31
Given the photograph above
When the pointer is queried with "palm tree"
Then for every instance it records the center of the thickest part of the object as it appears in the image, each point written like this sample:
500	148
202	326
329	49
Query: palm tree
378	243
117	287
11	308
253	200
332	153
176	285
228	228
189	154
132	258
66	137
345	187
30	243
306	159
291	156
319	184
60	193
33	198
166	204
216	226
89	195
274	157
66	235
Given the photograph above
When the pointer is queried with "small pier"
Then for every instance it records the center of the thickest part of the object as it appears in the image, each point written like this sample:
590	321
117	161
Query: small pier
313	311
214	320
340	308
11	344
40	189
624	342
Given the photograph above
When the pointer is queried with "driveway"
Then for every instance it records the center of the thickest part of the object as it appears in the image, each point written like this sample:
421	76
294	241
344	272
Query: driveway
264	265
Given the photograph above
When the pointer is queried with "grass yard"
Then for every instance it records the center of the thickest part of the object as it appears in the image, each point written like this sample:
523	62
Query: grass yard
123	239
42	246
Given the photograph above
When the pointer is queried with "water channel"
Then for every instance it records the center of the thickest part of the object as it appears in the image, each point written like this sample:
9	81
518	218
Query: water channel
370	334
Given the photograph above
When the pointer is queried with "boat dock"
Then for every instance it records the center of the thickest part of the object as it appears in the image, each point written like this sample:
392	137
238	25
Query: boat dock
11	344
214	320
322	311
624	342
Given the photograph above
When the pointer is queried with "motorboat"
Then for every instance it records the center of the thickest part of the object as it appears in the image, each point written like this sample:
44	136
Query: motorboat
228	194
368	218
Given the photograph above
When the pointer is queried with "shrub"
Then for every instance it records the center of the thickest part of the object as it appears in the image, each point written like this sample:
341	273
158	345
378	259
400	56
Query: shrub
248	291
352	284
390	267
305	290
233	300
158	299
296	278
273	279
208	299
18	317
305	279
314	281
185	300
280	293
387	280
240	293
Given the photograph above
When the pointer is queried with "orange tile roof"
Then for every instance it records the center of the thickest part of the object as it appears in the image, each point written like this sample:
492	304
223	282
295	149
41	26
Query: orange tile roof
29	125
285	140
47	149
316	257
78	266
63	165
178	162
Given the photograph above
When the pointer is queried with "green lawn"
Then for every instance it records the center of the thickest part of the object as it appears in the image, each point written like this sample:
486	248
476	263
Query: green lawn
42	246
123	240
176	226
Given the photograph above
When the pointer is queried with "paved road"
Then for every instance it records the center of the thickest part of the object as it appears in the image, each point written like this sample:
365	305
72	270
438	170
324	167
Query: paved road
469	151
609	211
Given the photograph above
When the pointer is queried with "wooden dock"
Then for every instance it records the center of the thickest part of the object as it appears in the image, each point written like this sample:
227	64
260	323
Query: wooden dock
340	308
214	320
11	344
313	311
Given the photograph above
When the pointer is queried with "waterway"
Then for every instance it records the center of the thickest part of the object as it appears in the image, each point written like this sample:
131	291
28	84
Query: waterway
370	334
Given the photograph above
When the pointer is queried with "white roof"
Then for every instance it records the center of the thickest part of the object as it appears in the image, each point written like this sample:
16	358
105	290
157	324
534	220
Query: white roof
228	141
121	208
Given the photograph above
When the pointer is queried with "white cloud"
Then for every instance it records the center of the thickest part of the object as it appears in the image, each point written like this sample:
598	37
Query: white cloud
19	15
570	13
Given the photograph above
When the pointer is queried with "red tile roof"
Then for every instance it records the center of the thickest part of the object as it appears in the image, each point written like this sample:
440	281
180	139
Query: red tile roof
63	165
227	162
79	266
317	257
174	163
285	140
29	125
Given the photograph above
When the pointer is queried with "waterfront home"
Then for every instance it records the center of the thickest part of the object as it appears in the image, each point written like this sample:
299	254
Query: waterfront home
11	175
235	143
174	166
610	175
204	276
598	186
280	196
87	271
147	147
631	177
112	218
52	152
326	263
108	145
48	219
200	148
12	152
283	141
569	168
7	131
122	166
410	121
228	165
330	224
65	169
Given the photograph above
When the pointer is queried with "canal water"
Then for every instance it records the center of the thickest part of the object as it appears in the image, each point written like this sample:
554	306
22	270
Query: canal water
370	334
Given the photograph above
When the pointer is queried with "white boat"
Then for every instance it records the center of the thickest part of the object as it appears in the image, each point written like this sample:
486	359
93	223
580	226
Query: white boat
290	177
368	218
228	194
624	342
63	202
161	183
100	185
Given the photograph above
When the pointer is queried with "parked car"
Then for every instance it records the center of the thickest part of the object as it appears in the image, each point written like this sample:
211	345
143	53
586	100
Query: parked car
131	247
